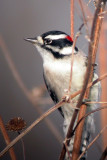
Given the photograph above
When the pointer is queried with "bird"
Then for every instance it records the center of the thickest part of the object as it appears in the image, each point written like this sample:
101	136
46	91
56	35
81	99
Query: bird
55	48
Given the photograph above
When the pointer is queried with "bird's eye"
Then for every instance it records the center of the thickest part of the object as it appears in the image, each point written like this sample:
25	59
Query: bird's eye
47	41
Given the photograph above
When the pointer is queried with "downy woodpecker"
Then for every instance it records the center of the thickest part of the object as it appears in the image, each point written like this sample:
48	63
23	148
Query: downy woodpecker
55	48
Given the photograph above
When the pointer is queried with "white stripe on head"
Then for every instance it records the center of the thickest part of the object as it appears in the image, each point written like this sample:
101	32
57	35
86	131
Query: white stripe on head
53	37
66	51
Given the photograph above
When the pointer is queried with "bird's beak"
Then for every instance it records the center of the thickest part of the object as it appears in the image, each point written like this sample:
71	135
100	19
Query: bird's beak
31	40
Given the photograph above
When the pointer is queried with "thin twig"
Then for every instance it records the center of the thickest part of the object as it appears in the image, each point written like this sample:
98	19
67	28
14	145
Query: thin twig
86	115
94	102
7	139
72	57
67	150
99	134
72	60
72	19
84	18
89	85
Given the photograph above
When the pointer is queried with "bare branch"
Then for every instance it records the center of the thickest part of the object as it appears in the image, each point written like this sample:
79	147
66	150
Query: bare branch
72	19
84	18
72	60
67	149
94	102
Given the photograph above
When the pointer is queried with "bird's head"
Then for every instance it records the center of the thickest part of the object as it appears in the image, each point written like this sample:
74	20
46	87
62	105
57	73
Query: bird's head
54	44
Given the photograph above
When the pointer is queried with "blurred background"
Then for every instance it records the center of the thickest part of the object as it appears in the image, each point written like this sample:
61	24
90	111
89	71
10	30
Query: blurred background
21	74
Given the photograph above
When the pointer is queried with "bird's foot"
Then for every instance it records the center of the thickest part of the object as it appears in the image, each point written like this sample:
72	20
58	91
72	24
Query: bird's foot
66	98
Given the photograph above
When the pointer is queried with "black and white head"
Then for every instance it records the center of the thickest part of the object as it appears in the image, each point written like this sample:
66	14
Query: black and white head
53	44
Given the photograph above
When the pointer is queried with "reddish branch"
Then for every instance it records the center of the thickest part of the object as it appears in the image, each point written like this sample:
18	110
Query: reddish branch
72	19
7	139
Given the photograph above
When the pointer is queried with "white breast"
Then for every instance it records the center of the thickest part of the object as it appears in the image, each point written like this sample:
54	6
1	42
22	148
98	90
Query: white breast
57	74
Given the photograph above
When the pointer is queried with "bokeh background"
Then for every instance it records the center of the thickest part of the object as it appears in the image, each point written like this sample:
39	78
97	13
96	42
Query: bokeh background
18	20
